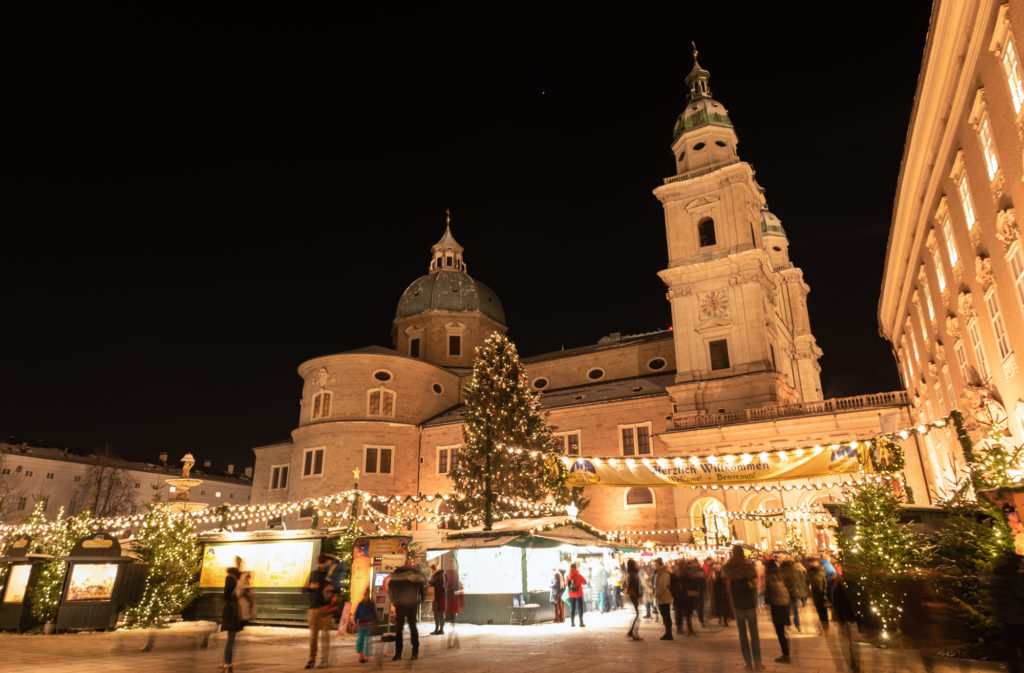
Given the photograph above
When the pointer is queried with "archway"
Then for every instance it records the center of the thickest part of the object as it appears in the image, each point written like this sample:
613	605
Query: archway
708	514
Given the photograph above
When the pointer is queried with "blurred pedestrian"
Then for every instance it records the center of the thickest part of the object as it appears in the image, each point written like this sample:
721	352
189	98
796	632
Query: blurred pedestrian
778	599
1007	599
845	616
792	581
634	589
741	584
365	619
694	581
405	587
437	583
819	594
720	593
663	595
230	619
574	584
319	621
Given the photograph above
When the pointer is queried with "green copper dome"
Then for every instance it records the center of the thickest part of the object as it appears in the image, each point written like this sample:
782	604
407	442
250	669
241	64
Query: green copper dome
443	290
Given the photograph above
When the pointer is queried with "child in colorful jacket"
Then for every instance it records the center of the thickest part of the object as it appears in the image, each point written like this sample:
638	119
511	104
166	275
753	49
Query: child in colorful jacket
365	619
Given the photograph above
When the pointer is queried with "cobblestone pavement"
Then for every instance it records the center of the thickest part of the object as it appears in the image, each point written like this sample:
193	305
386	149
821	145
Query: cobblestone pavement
601	647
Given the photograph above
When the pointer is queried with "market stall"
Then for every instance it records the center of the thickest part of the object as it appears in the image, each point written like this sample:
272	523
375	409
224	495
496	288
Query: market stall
509	566
100	582
279	561
22	569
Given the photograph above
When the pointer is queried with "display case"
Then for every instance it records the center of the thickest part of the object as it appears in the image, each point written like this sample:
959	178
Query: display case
15	599
99	584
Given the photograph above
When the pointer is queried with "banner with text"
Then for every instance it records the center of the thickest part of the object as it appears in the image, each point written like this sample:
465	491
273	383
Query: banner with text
826	462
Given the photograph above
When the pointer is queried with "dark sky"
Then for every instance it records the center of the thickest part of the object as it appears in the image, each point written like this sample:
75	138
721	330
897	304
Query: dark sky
195	204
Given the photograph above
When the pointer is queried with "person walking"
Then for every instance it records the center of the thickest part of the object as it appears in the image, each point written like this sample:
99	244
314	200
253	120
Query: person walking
633	592
365	618
663	595
778	599
440	594
601	578
405	587
694	581
318	620
575	583
617	579
792	581
648	579
557	589
1006	590
801	581
676	580
230	619
720	592
819	594
741	584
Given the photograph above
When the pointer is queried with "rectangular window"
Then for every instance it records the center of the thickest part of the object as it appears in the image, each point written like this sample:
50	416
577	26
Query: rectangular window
964	190
636	439
313	462
929	304
947	233
979	350
72	506
719	354
454	345
78	477
446	456
775	366
988	145
568	443
961	359
1017	267
278	477
22	502
49	475
378	460
414	347
1014	77
28	473
940	275
1002	339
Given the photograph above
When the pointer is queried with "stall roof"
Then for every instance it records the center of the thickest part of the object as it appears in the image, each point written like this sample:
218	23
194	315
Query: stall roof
558	530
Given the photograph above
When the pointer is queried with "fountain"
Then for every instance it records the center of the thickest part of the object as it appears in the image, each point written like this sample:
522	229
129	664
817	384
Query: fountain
181	502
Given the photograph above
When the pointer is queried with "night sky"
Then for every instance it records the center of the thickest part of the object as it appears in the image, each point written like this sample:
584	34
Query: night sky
195	204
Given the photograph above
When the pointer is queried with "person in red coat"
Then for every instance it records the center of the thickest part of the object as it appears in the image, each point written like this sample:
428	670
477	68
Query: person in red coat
575	583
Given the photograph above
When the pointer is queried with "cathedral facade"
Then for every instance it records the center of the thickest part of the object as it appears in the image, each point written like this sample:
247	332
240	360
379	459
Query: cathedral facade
737	373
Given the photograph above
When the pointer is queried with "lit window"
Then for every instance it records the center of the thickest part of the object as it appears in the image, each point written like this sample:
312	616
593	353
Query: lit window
947	233
568	442
172	489
278	477
1017	267
964	190
378	460
988	145
446	456
322	404
719	351
217	494
940	275
913	343
1014	76
1002	339
636	439
312	462
920	314
979	350
961	359
381	402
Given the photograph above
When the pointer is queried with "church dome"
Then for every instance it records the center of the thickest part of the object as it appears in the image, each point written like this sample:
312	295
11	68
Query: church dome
442	290
701	108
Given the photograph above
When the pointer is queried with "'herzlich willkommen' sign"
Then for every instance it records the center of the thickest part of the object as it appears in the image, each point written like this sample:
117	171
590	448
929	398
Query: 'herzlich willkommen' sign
753	468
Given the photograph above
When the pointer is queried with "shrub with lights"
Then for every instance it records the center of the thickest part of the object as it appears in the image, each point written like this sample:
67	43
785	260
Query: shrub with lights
55	538
509	450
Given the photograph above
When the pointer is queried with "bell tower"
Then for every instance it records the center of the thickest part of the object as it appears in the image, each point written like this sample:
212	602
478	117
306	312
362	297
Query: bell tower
739	306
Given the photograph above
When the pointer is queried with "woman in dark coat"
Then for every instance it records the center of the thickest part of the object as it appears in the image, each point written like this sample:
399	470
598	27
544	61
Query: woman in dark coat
633	592
778	599
230	618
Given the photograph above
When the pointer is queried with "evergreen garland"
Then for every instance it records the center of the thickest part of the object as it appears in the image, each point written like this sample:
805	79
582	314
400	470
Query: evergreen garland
167	543
504	423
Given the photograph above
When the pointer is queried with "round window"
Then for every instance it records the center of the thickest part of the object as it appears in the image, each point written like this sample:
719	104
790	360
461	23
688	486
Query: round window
720	143
382	375
540	383
656	363
698	146
595	374
437	388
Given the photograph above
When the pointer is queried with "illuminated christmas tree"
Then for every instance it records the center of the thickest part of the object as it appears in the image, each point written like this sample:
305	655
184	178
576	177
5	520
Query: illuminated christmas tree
166	541
878	552
794	539
509	451
56	538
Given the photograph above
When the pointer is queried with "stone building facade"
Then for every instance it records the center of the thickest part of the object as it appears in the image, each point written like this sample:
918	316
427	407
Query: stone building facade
738	372
952	299
31	472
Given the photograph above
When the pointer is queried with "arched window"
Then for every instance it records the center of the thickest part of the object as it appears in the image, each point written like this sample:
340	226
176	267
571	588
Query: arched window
706	232
380	402
639	497
322	404
708	514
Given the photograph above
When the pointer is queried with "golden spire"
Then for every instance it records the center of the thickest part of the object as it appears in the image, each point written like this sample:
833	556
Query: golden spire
447	217
694	50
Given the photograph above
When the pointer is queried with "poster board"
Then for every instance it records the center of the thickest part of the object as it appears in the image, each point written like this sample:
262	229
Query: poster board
91	582
17	583
275	564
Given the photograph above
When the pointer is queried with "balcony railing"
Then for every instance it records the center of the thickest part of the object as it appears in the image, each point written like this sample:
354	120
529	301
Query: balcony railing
877	400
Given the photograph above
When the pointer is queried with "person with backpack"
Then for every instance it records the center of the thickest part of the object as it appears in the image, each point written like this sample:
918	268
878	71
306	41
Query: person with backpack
405	586
575	583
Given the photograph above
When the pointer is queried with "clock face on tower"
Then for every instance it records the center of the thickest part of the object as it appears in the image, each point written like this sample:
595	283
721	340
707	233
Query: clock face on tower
713	304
